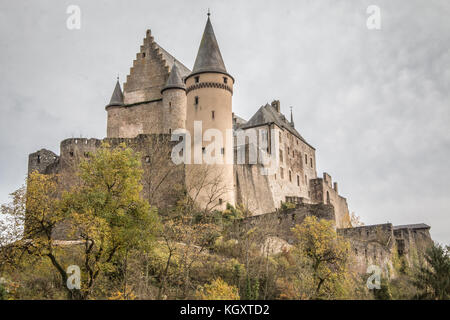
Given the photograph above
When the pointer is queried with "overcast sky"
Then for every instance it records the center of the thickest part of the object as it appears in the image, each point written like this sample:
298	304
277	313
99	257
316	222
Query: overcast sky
374	103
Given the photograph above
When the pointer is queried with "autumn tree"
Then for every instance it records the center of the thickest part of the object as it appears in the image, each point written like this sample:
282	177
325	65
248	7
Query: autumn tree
324	253
105	213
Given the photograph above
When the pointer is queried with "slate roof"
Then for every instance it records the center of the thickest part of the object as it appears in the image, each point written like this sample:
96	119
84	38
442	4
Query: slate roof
117	96
209	58
170	60
412	226
175	80
268	114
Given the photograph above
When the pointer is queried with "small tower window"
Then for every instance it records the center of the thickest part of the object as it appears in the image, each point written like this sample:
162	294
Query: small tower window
220	201
310	161
71	153
203	149
170	130
222	150
197	79
212	114
196	100
290	176
225	80
298	180
306	179
306	158
147	159
38	159
281	173
281	155
143	54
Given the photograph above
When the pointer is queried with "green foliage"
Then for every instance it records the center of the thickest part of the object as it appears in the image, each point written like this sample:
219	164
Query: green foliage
384	293
3	292
285	206
432	279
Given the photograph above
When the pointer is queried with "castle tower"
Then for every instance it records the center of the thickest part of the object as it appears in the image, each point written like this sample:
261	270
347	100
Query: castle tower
116	102
209	89
174	101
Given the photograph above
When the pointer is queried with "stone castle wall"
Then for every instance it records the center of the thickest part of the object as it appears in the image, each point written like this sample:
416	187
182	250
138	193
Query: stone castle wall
162	179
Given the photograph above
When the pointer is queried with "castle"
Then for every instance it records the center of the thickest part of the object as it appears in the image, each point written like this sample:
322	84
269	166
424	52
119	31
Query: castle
161	96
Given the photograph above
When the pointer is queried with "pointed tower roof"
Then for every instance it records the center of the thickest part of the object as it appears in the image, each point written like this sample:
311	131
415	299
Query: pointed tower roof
209	58
117	96
175	80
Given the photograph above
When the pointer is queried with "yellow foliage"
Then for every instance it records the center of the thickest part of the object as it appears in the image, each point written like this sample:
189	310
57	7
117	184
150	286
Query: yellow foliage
217	290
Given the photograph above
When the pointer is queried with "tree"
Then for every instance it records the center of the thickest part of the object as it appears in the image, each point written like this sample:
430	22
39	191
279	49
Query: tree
217	290
105	213
433	278
324	253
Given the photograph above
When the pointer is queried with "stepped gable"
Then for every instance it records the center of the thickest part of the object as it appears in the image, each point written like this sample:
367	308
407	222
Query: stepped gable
150	72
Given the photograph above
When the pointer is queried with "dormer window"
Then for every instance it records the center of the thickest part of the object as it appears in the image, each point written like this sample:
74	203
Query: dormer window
197	79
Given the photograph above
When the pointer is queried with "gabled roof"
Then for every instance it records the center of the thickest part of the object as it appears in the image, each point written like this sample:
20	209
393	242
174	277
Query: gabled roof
209	58
268	114
117	96
412	226
174	81
170	60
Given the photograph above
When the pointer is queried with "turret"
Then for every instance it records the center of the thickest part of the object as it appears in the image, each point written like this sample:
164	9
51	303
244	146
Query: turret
174	101
115	104
209	89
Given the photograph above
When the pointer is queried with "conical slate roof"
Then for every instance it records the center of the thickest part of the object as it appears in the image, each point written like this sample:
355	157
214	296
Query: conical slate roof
174	81
209	58
117	96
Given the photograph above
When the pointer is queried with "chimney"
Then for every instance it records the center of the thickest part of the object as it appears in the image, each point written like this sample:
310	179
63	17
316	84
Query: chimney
276	105
336	187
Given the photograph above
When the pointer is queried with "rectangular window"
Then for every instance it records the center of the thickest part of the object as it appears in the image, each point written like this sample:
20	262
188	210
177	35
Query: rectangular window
197	79
298	180
212	114
222	151
203	150
281	173
290	176
225	79
196	100
281	155
306	158
310	161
